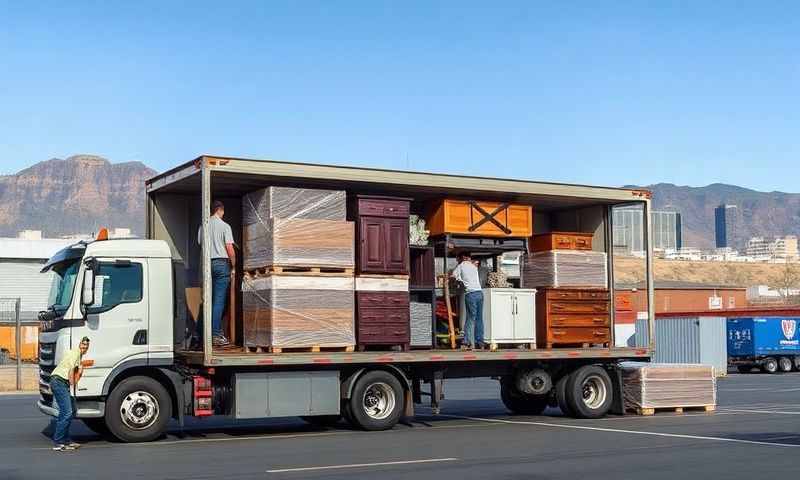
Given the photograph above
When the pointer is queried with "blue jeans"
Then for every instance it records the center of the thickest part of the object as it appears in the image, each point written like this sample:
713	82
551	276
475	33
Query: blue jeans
220	279
63	399
474	321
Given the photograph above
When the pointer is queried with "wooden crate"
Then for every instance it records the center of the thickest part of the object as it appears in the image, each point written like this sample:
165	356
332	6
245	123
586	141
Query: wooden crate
464	217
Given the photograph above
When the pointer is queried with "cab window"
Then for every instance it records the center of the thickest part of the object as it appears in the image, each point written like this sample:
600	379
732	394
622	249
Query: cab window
117	283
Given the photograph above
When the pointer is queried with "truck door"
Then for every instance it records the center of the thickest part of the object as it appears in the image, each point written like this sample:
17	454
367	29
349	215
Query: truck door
116	323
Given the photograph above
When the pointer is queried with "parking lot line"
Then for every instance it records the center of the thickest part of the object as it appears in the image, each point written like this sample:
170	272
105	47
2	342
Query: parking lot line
362	465
771	412
632	432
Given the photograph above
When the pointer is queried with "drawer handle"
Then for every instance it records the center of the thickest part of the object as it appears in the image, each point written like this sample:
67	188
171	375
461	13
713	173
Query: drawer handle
558	332
599	333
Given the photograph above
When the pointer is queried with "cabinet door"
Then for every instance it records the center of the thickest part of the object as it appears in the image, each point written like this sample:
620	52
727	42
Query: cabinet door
396	231
372	254
502	316
524	319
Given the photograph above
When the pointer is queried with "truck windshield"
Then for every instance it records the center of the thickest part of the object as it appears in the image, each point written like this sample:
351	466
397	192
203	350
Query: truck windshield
63	284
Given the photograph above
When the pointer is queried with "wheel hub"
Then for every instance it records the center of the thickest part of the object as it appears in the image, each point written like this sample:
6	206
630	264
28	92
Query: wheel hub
379	400
139	410
594	392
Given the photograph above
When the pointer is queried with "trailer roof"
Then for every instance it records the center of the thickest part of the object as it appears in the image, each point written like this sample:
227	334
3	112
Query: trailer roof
236	175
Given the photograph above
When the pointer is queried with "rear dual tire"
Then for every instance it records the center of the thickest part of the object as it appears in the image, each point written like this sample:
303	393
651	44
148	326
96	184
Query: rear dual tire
769	365
585	393
521	403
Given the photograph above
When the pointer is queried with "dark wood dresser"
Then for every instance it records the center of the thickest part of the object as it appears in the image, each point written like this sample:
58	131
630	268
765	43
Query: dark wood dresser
574	317
383	318
382	230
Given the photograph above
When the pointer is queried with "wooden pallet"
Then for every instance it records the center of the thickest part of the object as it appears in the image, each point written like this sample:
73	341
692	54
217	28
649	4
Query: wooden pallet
311	349
512	346
653	411
299	270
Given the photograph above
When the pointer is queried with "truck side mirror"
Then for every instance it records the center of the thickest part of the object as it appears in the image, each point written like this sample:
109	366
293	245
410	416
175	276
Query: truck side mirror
88	287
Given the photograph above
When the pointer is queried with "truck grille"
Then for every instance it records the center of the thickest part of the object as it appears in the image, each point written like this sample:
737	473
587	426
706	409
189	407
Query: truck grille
47	355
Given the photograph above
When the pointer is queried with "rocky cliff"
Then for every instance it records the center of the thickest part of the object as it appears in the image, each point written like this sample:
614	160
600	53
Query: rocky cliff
77	195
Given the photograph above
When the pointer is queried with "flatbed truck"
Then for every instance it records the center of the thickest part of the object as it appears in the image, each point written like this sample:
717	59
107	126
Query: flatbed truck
140	372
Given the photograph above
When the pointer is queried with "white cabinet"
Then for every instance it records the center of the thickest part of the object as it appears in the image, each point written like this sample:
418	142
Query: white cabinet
509	315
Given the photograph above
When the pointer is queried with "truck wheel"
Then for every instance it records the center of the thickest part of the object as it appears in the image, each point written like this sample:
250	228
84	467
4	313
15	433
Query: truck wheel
589	392
322	420
797	363
785	364
521	403
744	368
561	396
97	425
769	365
138	410
377	401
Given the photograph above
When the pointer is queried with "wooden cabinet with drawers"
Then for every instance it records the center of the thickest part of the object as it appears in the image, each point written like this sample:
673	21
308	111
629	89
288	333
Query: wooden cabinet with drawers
382	228
383	318
562	241
572	317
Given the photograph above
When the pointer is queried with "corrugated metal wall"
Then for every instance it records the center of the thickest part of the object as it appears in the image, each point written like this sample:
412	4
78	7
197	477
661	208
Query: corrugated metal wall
688	340
22	279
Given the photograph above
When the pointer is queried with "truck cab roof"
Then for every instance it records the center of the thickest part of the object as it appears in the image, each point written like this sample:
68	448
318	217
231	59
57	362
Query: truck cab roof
118	247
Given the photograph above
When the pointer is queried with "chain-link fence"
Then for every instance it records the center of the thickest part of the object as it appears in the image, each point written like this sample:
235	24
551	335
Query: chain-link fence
19	347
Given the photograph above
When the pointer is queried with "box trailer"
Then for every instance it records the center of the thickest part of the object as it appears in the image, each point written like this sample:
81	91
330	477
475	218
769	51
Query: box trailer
142	371
772	344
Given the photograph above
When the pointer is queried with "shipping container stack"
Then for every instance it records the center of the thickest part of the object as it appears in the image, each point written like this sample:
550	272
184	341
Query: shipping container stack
299	256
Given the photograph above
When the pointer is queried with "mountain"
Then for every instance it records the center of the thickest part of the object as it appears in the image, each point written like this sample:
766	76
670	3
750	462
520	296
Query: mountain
764	214
77	195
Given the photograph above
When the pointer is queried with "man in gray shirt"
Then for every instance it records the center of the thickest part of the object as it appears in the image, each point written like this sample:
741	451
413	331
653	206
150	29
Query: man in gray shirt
467	273
223	263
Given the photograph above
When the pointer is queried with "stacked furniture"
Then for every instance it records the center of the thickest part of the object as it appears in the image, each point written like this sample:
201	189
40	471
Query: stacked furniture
573	302
486	219
422	288
299	255
382	296
674	386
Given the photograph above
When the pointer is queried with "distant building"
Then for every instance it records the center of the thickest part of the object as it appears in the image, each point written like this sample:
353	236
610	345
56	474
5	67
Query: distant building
785	248
760	248
726	226
779	250
665	227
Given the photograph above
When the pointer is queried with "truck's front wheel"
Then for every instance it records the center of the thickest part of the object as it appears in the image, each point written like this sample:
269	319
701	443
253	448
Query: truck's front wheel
138	410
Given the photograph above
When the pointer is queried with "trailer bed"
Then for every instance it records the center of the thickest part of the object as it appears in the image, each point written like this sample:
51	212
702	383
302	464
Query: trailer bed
238	359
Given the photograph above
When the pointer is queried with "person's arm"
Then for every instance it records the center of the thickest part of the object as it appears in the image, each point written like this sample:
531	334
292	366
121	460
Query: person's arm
229	247
457	273
77	370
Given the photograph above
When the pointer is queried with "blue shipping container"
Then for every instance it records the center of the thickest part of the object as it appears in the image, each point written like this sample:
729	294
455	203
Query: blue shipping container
749	337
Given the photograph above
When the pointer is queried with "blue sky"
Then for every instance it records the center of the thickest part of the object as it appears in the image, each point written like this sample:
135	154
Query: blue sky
591	92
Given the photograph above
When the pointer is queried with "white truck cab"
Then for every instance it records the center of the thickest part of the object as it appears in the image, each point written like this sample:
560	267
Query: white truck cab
119	293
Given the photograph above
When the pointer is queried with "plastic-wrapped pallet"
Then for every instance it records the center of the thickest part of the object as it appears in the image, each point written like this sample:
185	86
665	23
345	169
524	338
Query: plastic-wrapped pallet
288	202
668	385
299	242
564	268
421	324
291	311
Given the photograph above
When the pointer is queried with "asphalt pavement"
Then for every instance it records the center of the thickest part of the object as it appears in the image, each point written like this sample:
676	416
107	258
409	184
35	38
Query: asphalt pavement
754	434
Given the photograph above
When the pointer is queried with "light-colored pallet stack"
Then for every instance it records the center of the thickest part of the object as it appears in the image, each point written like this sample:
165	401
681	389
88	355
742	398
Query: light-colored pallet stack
299	254
298	312
564	268
650	387
421	324
297	227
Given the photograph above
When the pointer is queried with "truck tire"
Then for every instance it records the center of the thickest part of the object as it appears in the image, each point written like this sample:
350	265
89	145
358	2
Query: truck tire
561	396
138	410
744	368
589	392
97	425
785	364
796	362
521	403
322	420
377	401
769	365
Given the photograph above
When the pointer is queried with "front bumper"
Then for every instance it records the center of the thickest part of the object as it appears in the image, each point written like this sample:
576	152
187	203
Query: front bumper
85	409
